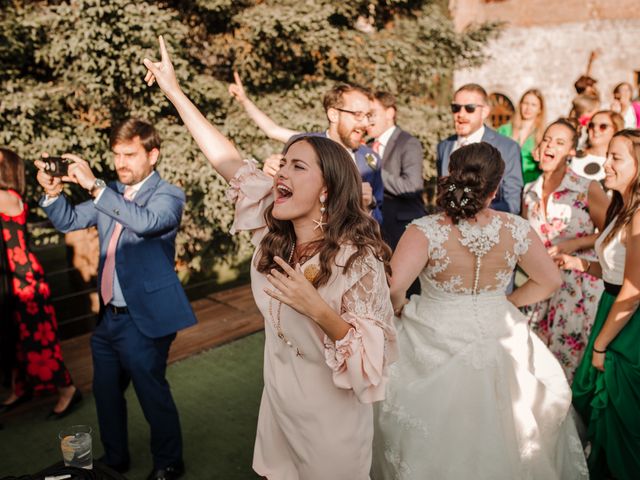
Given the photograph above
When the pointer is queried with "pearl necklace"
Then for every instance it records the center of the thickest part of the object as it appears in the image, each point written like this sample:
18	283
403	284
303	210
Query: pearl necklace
275	321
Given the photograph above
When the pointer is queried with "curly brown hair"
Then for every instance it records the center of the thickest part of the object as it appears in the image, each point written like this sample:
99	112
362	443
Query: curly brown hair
475	172
347	221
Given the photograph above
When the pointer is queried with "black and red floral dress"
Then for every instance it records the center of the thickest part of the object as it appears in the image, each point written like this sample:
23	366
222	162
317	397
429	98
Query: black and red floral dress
38	361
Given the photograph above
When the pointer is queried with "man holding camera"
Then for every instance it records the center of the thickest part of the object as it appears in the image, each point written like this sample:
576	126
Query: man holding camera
143	303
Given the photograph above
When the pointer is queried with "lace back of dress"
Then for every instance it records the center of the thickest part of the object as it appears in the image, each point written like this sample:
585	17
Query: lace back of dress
469	258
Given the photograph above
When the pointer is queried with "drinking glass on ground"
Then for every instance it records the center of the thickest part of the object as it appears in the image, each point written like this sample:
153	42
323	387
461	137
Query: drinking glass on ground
75	443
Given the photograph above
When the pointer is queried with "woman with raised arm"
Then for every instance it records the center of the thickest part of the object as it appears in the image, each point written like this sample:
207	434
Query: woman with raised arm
318	277
474	394
565	210
606	387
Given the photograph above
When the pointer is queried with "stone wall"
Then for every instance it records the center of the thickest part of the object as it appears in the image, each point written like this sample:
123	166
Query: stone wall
552	57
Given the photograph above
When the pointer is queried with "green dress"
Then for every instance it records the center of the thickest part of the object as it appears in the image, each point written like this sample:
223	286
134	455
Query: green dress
609	401
530	170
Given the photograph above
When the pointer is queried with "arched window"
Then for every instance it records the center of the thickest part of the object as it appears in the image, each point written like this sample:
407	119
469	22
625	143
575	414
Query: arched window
501	109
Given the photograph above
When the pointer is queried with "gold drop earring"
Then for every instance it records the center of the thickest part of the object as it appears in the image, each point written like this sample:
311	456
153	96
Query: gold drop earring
321	223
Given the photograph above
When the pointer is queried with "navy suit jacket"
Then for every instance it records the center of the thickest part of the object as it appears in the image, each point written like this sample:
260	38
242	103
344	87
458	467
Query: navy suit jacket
145	254
509	196
369	171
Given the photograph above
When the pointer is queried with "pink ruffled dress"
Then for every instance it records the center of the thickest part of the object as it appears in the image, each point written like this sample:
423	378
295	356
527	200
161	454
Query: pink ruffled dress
316	413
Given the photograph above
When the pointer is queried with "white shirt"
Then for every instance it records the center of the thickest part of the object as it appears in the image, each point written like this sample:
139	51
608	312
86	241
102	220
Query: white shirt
612	256
475	137
384	139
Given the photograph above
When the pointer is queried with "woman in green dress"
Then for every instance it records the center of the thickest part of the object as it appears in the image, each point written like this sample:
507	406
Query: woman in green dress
606	387
526	128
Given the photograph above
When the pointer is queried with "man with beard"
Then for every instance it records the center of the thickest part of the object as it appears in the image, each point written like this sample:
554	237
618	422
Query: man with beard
402	158
143	304
470	109
348	112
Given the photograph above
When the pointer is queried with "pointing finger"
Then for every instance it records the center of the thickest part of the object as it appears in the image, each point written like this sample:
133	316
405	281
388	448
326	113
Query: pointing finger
163	50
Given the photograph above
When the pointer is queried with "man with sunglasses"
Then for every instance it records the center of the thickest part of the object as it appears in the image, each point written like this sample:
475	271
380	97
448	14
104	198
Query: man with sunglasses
470	109
348	112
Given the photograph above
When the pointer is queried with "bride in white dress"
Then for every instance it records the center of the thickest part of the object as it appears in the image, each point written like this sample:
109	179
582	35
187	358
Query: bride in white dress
474	395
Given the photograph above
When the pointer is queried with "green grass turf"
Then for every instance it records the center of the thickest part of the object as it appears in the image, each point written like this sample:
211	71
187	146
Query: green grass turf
217	393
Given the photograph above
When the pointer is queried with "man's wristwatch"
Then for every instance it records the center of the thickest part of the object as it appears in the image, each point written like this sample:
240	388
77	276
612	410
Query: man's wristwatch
97	185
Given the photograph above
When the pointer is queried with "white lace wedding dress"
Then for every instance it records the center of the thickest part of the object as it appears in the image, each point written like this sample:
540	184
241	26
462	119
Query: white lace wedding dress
474	395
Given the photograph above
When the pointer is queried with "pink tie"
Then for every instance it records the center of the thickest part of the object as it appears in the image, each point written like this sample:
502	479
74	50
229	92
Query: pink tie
108	269
375	146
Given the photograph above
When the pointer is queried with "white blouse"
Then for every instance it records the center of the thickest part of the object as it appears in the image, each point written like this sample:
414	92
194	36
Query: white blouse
612	256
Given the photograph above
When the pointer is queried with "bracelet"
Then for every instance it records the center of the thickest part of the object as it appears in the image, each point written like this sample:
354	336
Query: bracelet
599	351
586	270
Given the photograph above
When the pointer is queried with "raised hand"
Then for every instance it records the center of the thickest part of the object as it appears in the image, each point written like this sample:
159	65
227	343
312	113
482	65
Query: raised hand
162	72
236	90
272	164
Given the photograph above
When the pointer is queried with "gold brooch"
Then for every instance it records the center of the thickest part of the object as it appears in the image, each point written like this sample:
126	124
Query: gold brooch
311	272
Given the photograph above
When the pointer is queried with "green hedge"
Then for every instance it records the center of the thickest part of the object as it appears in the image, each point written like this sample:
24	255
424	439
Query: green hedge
70	69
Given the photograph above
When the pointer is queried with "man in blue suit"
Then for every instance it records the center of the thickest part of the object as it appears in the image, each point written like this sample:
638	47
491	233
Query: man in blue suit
348	112
143	303
470	109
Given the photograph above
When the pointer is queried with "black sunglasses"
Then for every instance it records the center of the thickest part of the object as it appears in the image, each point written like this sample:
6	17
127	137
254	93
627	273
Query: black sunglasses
469	107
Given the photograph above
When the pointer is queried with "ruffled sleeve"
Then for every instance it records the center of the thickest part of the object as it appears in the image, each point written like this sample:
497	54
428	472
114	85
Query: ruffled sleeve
361	359
251	190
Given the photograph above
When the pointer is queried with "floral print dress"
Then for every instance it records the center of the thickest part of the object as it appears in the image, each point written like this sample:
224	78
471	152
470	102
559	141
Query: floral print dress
564	321
38	364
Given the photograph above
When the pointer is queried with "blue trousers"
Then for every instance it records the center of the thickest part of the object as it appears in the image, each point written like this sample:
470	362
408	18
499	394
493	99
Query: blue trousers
123	355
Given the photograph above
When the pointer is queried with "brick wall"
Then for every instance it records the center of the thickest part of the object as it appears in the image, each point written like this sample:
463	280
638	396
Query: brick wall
541	12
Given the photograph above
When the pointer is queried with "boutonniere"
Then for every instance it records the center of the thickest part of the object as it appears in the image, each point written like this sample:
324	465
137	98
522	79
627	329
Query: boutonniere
371	161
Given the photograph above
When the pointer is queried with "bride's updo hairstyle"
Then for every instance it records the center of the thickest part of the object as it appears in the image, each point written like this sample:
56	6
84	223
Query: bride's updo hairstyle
475	172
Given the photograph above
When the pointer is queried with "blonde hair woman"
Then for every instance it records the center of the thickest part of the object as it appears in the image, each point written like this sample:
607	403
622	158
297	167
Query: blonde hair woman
526	128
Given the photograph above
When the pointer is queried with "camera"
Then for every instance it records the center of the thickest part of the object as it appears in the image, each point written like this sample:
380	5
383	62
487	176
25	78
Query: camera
56	166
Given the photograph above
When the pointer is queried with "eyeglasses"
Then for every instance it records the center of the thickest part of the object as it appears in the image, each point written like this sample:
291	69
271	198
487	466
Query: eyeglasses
469	107
359	116
600	126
